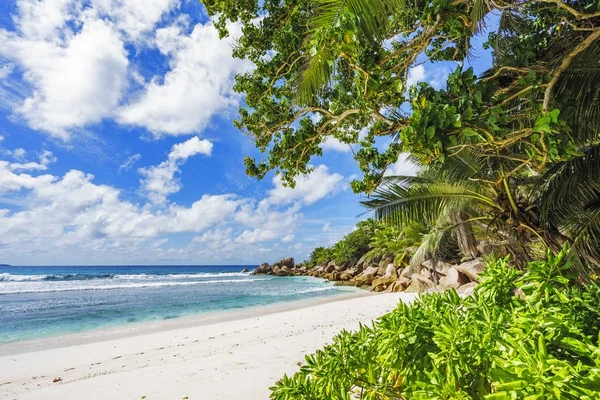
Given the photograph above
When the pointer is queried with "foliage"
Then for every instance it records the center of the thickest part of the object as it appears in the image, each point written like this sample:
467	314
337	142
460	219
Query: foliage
319	255
336	67
352	247
392	241
520	335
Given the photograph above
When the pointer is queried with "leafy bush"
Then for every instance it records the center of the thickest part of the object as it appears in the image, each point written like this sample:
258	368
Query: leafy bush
394	241
352	247
519	336
320	255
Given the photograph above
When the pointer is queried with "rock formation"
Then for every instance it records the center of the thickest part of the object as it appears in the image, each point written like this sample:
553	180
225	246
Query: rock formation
383	276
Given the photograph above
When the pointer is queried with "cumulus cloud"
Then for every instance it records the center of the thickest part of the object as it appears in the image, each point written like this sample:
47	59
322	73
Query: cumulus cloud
335	145
159	181
309	188
73	206
71	216
435	74
45	158
73	60
197	87
75	81
267	224
415	75
402	167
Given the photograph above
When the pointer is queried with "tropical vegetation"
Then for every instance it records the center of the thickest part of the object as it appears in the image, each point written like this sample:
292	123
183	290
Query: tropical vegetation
531	335
509	157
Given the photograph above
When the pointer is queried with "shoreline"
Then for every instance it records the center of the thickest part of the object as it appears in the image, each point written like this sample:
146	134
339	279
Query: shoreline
155	326
239	358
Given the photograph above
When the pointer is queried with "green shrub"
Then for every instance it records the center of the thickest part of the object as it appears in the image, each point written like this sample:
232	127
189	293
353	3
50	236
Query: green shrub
519	336
352	247
320	255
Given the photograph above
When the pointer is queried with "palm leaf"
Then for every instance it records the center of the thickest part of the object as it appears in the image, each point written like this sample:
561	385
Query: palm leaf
578	93
401	205
372	20
436	245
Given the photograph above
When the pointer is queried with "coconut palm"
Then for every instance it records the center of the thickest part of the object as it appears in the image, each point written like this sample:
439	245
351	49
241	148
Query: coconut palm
454	197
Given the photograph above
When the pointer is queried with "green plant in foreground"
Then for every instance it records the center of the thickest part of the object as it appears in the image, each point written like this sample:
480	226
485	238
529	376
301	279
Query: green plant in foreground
530	335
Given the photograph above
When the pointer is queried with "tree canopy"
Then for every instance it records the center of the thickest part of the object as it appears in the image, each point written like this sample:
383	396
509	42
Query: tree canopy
336	68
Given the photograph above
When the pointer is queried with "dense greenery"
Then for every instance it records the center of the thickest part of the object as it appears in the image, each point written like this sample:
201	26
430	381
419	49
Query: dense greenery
371	240
529	125
510	158
520	336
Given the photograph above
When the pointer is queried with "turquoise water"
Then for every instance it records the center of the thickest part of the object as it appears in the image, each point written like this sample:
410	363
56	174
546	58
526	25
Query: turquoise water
46	301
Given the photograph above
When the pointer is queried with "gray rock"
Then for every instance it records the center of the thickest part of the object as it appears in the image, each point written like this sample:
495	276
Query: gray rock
330	267
453	279
398	286
467	289
287	262
264	268
385	282
426	281
484	247
472	269
245	270
416	286
390	271
367	276
406	272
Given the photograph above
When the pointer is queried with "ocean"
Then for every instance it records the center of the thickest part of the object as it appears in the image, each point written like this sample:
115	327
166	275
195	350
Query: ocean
37	302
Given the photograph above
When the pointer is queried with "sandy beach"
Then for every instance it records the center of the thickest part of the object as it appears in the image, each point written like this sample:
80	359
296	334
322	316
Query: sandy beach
236	356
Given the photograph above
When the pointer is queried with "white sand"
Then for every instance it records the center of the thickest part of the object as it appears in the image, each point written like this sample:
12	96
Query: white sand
231	359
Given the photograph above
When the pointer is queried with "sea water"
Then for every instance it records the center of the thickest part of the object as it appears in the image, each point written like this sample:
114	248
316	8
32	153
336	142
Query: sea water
46	301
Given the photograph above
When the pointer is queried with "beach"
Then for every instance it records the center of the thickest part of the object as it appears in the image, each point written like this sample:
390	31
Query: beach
236	356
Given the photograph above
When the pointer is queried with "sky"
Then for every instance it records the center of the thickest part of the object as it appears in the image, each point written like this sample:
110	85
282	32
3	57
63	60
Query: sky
117	144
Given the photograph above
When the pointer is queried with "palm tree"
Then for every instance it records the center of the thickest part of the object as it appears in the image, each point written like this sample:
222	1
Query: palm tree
453	197
496	191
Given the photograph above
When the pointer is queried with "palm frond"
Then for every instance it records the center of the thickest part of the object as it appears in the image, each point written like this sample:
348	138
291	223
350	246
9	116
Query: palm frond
372	20
400	205
568	182
578	93
478	12
436	245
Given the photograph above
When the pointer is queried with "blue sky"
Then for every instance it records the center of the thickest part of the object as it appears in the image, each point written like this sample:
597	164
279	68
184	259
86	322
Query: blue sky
117	147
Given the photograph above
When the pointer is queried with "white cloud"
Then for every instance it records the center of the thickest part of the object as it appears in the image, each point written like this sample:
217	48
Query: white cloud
6	70
402	167
193	146
309	188
72	56
45	158
326	227
415	75
130	162
267	223
74	83
73	207
335	145
198	86
1	138
159	181
133	17
216	235
435	74
17	154
70	217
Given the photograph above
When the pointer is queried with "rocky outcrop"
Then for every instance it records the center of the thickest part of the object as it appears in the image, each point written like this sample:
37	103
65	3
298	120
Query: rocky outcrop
245	270
471	269
384	276
453	279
